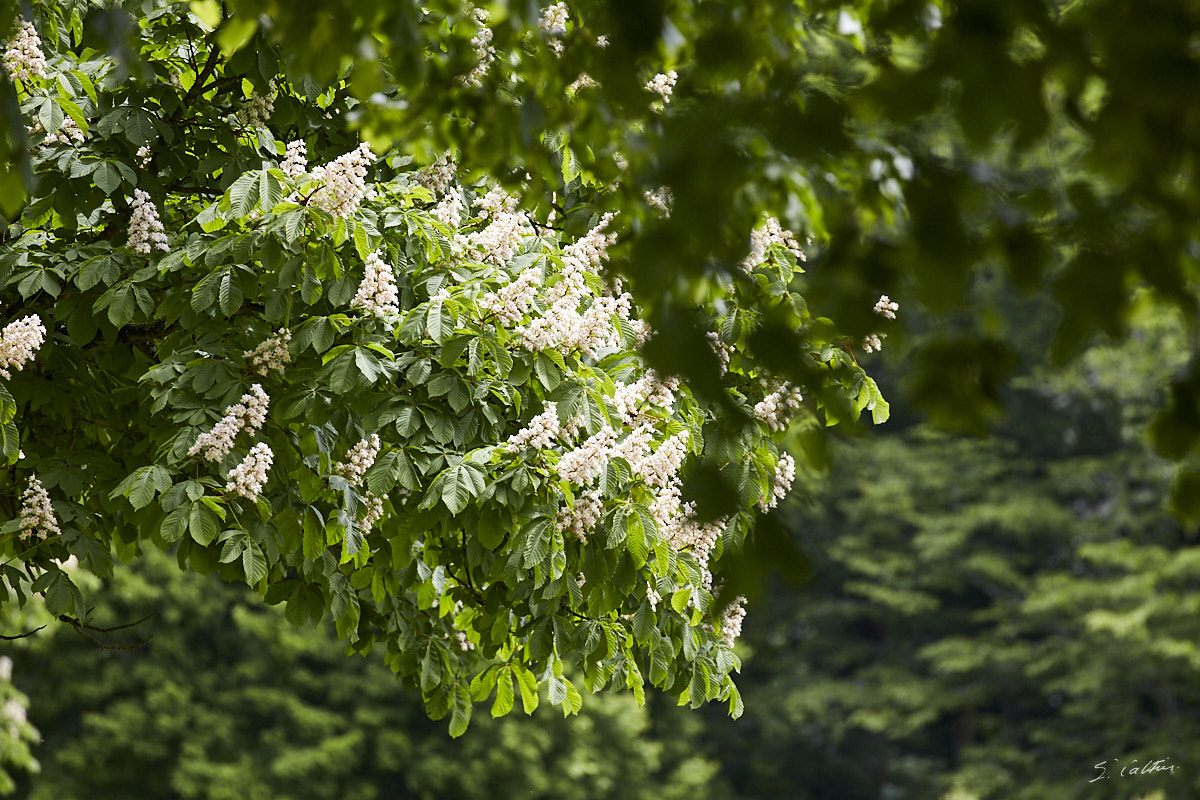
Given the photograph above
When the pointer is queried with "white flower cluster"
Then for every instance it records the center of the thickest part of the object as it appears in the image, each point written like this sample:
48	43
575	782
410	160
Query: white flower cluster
539	434
358	460
373	512
583	464
886	307
256	110
774	408
271	353
583	516
248	414
450	210
874	342
69	133
437	176
343	182
584	81
770	234
249	476
731	620
512	302
660	199
501	238
785	473
663	84
143	155
37	513
23	57
485	54
19	341
145	230
724	352
653	597
685	533
295	159
377	294
464	644
554	19
563	326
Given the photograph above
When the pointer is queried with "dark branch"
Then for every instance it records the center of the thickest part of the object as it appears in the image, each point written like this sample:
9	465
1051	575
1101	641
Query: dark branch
22	635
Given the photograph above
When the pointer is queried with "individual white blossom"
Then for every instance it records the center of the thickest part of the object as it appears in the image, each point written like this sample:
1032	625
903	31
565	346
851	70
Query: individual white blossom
485	54
602	41
145	230
143	155
886	307
295	159
663	84
462	641
272	353
250	475
770	234
37	513
377	293
248	414
653	597
343	182
785	474
23	57
731	620
874	342
19	341
256	110
358	460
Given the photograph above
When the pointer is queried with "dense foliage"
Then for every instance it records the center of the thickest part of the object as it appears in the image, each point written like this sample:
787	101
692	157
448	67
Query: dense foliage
404	398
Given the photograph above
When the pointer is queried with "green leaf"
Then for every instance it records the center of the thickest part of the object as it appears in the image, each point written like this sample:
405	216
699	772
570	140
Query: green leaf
504	693
459	484
107	177
537	541
203	524
141	486
460	711
254	562
528	685
230	293
174	525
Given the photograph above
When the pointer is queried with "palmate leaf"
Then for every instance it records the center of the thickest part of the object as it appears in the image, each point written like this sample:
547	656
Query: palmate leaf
459	484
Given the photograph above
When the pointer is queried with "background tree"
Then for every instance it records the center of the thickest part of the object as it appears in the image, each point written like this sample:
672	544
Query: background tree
229	700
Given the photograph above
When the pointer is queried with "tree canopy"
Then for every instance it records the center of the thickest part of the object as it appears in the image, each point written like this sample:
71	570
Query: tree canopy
393	393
